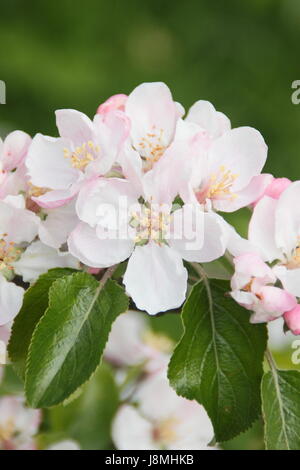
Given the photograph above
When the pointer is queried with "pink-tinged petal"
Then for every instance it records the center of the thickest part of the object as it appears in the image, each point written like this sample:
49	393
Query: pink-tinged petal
152	111
262	229
110	135
197	235
292	320
74	126
132	167
252	265
174	169
14	150
274	187
204	114
25	421
253	192
245	299
85	245
290	279
13	182
58	198
19	224
11	299
277	186
47	166
130	431
39	258
59	223
5	332
224	123
260	315
180	109
129	349
105	196
287	219
242	151
156	278
276	300
115	102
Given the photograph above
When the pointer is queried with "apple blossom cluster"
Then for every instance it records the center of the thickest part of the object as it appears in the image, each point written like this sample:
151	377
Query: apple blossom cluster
142	184
141	422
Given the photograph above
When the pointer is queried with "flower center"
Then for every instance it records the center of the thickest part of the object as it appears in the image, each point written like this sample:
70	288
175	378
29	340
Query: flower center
151	148
8	254
7	430
150	224
294	261
36	191
164	432
158	341
82	155
220	184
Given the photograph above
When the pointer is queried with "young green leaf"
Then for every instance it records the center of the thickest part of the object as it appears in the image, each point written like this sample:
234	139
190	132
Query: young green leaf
281	409
219	359
34	306
68	342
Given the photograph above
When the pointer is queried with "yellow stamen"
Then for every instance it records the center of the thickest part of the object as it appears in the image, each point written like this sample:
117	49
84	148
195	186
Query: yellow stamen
82	155
221	183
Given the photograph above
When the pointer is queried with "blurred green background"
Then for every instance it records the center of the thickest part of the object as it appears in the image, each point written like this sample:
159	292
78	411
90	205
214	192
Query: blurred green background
242	55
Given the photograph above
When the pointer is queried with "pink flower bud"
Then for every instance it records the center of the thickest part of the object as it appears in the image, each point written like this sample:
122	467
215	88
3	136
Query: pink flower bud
292	319
276	187
115	102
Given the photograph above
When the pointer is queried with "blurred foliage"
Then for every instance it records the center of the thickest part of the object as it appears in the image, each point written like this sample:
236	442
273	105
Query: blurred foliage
240	55
87	419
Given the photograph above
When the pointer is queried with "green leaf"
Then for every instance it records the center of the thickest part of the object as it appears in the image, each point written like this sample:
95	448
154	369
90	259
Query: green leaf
69	340
10	383
88	419
281	409
218	361
34	306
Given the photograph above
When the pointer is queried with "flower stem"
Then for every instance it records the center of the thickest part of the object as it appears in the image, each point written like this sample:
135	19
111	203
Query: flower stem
107	275
271	361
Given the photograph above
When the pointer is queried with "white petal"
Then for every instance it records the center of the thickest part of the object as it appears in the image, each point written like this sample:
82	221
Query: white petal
156	278
127	349
130	431
11	298
102	196
204	114
204	238
47	165
39	258
85	245
242	151
151	110
19	224
60	222
287	218
290	279
67	444
74	125
262	229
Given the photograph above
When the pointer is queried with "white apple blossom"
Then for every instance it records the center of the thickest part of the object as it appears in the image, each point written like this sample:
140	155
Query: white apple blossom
58	167
161	419
18	424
